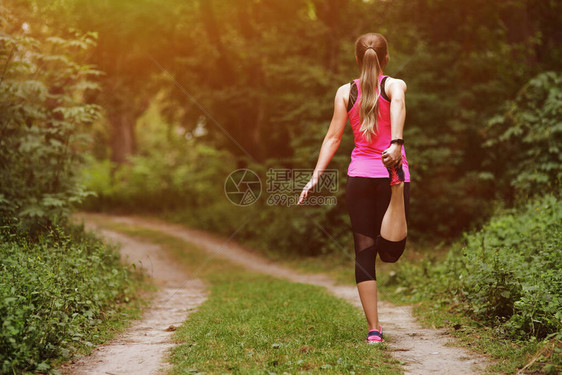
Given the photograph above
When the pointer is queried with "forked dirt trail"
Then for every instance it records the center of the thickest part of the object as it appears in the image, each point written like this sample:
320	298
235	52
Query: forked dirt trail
422	350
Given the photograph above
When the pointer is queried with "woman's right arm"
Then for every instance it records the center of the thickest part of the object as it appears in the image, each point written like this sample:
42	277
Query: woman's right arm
396	90
331	140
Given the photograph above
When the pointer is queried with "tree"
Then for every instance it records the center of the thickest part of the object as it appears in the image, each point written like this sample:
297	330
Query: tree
130	35
42	116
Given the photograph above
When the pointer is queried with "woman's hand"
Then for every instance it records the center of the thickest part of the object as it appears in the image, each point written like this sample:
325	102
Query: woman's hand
309	186
392	156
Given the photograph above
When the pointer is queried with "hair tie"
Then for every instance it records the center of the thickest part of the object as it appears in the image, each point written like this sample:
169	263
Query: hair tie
370	48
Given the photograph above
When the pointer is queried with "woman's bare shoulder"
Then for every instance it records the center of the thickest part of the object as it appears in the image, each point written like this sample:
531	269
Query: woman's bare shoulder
344	89
343	93
396	82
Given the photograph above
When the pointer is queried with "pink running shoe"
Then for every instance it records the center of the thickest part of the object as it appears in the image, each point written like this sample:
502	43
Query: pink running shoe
396	175
374	336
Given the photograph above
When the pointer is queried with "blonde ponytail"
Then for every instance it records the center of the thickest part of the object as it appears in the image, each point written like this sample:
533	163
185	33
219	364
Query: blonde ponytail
370	92
371	51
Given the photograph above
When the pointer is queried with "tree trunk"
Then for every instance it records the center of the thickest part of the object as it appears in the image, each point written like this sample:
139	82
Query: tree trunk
329	12
259	123
520	29
125	101
224	74
123	140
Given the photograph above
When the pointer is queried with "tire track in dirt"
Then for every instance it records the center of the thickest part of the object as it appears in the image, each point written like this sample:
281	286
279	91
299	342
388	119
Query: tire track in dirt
143	348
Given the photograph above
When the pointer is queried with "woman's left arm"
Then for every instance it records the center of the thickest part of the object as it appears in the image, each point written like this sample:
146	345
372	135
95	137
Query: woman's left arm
396	90
331	140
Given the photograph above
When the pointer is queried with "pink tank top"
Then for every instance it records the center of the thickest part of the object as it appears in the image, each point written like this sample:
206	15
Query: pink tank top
366	156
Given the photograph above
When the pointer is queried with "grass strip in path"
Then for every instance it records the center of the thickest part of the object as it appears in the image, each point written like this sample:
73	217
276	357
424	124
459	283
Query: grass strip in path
253	323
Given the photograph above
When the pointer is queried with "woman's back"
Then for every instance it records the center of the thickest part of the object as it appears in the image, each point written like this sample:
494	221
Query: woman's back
366	156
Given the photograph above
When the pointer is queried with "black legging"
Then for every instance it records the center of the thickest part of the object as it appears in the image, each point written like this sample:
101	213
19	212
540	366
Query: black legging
367	200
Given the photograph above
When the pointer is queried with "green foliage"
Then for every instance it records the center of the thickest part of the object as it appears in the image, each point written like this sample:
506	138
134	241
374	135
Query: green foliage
511	271
55	288
54	294
507	275
461	61
258	68
41	114
173	172
179	175
524	142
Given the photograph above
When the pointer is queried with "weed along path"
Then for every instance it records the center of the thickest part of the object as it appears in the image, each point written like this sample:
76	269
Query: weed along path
142	348
420	350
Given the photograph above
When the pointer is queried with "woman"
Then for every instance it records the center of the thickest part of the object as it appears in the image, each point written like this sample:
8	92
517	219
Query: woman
378	178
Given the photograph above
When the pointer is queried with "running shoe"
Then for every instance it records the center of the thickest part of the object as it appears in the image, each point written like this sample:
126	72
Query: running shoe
396	175
374	336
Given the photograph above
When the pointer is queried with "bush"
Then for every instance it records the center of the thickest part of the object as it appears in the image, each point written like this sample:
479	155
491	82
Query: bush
41	113
507	275
524	141
511	271
53	294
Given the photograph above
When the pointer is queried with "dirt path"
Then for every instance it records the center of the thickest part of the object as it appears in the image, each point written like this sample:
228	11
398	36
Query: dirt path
143	347
422	350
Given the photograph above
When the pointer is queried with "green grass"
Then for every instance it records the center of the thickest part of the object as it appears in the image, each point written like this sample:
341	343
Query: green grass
258	324
253	323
